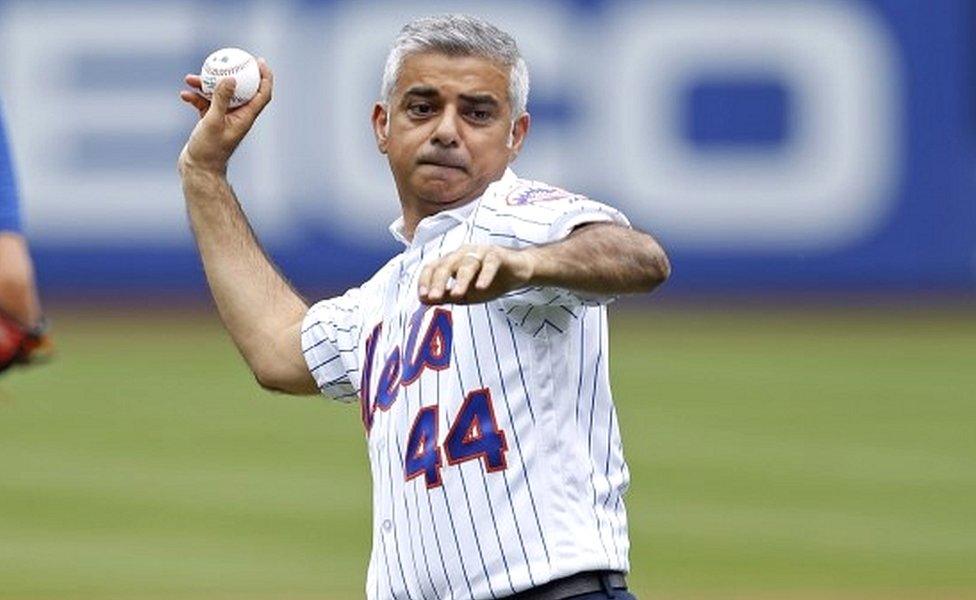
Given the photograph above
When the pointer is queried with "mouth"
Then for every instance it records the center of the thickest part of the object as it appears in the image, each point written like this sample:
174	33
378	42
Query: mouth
444	164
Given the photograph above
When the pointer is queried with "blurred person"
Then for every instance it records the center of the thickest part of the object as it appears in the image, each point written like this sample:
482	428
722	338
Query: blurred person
22	326
478	355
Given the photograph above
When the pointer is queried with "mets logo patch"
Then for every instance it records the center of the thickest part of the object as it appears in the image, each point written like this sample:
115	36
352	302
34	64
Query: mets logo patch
535	192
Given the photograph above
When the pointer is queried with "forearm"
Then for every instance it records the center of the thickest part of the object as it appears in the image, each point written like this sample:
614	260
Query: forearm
601	258
255	302
18	290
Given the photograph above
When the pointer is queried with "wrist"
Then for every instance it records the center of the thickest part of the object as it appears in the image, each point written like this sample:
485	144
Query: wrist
189	166
531	271
203	185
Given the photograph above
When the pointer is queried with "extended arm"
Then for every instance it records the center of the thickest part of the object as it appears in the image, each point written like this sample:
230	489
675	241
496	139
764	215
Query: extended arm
257	306
598	258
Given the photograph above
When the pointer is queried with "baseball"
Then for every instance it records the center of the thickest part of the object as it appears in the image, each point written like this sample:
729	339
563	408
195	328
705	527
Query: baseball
231	62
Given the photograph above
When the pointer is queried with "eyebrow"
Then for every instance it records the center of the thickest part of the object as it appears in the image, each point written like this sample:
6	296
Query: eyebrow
428	91
424	91
480	99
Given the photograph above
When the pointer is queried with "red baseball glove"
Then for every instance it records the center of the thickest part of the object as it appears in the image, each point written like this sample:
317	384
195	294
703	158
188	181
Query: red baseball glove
21	345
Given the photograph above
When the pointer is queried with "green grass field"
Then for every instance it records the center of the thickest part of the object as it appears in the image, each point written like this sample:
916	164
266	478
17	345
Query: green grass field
776	454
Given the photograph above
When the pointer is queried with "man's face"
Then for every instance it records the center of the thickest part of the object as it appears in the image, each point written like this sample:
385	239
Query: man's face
448	131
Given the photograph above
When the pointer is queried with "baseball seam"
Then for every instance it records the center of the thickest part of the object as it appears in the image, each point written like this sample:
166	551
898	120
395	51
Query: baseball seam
229	71
234	98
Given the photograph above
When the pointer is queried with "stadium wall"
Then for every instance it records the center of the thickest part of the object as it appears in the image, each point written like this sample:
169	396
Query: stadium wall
780	145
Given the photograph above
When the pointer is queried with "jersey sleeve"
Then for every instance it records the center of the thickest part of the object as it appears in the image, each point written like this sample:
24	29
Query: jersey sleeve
330	341
536	214
9	207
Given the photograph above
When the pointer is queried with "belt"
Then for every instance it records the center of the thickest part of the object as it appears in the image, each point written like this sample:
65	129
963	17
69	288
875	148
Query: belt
575	585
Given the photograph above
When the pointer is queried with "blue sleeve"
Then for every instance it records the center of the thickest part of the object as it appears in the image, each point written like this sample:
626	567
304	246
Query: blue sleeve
9	207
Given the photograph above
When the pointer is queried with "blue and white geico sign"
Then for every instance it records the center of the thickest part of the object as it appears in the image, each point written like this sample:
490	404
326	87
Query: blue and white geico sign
761	129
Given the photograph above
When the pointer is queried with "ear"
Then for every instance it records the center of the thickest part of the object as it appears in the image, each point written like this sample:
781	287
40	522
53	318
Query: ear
520	129
381	126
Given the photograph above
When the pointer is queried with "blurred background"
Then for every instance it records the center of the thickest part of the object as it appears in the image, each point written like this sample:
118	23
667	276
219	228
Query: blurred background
796	404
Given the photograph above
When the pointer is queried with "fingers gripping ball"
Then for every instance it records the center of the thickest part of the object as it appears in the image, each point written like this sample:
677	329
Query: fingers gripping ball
231	62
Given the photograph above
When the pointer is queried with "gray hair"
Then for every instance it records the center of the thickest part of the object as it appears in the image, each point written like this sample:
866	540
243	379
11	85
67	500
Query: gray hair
459	35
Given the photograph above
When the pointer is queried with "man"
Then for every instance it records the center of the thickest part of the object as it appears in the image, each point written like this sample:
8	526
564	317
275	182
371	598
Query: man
478	355
22	337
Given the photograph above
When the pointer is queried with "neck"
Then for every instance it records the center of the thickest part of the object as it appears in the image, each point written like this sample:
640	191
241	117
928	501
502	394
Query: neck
415	212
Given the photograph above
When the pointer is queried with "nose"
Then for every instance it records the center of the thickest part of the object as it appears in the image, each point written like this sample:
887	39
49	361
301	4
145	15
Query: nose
446	133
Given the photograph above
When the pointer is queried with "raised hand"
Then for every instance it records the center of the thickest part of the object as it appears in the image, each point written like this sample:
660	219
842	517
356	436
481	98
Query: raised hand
221	129
473	274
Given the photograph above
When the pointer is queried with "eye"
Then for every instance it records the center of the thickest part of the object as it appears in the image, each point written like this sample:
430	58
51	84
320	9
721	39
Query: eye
420	109
480	115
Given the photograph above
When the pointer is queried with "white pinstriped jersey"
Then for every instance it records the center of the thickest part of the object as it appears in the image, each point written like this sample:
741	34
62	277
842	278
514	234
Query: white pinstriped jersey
493	441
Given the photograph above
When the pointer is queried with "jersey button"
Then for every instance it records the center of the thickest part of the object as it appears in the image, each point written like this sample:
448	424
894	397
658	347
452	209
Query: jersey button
387	525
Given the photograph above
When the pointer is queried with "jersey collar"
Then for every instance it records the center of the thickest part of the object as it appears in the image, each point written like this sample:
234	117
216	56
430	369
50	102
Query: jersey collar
434	225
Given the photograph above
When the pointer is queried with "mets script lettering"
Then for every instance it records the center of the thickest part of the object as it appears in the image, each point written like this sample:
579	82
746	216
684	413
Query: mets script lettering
474	433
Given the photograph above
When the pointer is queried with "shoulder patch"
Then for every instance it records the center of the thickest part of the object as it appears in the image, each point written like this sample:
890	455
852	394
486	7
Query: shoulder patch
531	192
